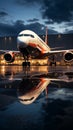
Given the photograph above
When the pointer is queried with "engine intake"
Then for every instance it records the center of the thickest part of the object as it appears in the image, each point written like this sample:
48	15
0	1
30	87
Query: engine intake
68	56
9	57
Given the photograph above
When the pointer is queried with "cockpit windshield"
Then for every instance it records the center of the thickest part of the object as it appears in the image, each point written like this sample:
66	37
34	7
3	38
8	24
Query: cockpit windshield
27	35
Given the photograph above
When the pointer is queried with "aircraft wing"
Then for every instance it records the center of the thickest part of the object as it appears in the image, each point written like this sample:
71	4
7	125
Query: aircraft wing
60	51
66	54
5	51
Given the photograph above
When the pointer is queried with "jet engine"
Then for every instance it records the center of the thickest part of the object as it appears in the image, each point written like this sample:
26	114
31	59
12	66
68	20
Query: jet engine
68	56
9	57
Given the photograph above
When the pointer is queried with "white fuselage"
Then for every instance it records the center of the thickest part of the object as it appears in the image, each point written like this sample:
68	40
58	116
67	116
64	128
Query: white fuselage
29	38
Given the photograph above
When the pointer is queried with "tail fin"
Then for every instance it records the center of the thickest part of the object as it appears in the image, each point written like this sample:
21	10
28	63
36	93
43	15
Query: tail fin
46	37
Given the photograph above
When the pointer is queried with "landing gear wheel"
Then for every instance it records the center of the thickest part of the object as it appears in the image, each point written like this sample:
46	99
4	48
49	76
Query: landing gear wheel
26	64
52	63
55	63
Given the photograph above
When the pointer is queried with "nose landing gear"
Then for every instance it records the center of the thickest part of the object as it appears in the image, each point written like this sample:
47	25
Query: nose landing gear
26	63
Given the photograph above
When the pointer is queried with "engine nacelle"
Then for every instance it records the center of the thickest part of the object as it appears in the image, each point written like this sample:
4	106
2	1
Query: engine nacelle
9	57
68	56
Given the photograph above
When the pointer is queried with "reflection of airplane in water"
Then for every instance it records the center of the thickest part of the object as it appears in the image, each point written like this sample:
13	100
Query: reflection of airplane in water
31	88
28	88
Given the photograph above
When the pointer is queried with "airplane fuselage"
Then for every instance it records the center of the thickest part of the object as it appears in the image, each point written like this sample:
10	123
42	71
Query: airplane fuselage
31	41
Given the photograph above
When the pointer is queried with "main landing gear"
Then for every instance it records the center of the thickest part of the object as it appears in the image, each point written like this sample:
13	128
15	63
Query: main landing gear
52	63
26	64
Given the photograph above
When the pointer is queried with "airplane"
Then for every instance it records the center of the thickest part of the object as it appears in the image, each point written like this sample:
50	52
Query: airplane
30	44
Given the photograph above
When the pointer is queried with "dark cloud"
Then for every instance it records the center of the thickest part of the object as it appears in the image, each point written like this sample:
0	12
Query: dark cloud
52	31
26	2
33	20
67	31
16	27
3	14
11	29
36	27
52	10
57	10
7	29
68	27
49	21
69	23
19	23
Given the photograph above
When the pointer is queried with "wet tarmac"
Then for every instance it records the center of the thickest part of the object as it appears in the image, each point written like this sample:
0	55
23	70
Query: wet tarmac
39	97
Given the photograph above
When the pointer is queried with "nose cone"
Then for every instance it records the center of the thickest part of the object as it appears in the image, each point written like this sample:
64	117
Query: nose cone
22	41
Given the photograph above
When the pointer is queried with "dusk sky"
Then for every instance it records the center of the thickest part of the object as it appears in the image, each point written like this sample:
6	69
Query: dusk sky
18	15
